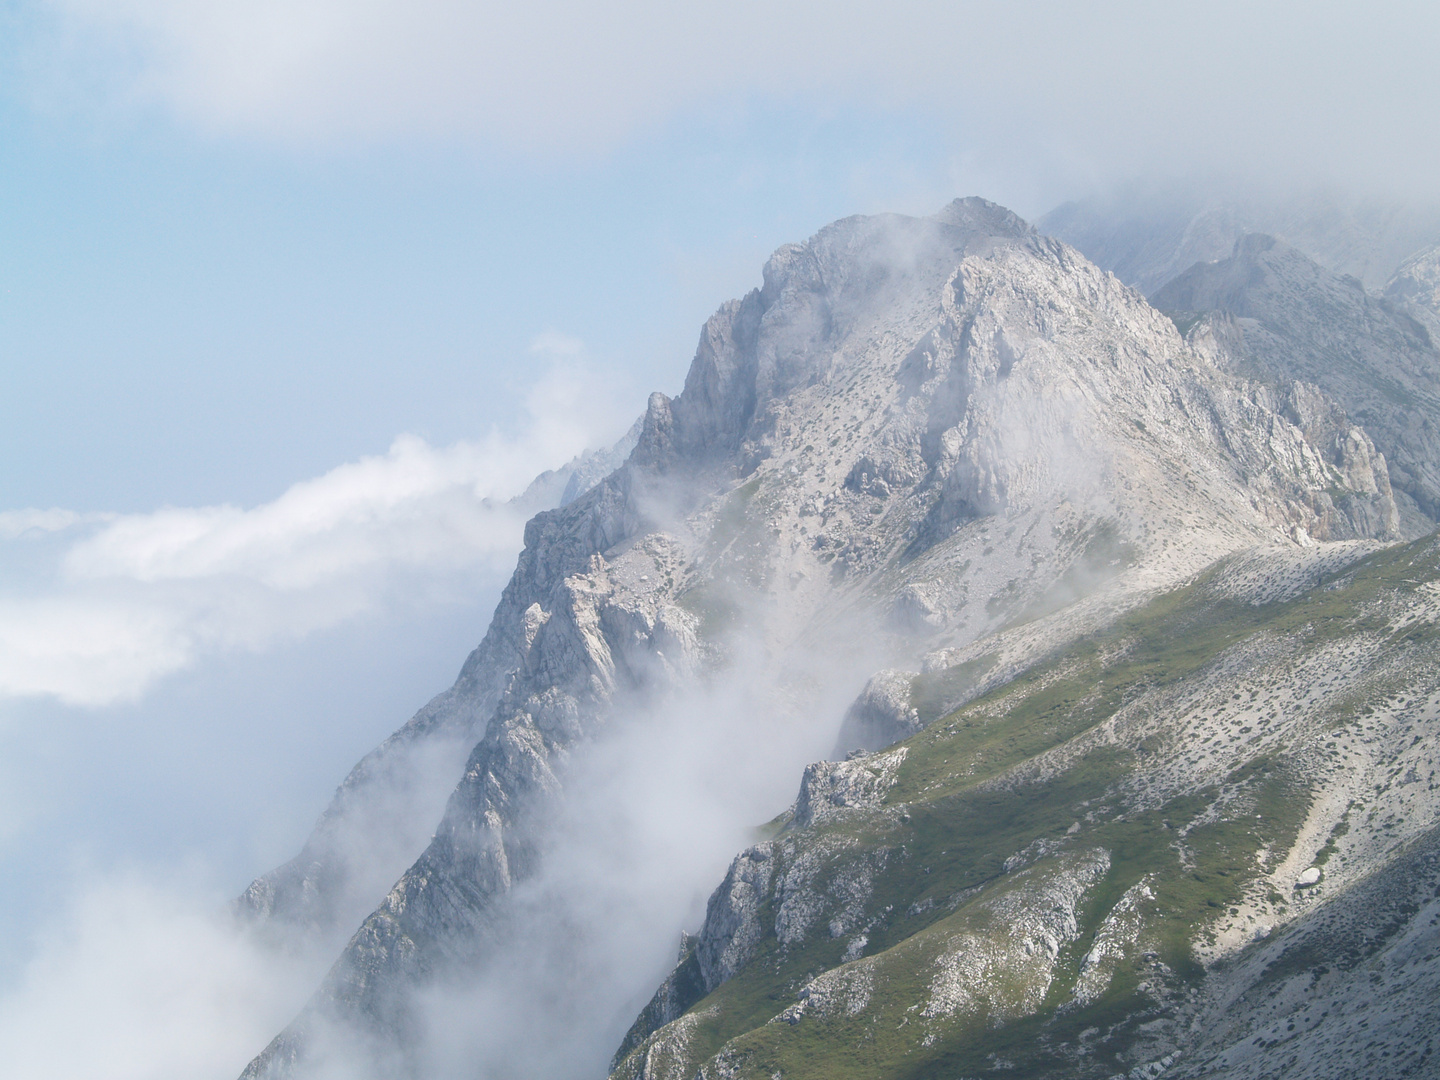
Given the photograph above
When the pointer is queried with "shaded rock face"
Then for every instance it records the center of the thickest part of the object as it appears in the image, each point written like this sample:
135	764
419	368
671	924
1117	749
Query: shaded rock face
929	428
883	713
1295	321
1417	281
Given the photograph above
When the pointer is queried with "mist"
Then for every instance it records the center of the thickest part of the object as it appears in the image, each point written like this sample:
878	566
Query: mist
97	607
180	692
651	812
145	977
653	809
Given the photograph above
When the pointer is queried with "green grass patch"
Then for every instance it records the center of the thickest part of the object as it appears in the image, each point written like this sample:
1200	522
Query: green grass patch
955	817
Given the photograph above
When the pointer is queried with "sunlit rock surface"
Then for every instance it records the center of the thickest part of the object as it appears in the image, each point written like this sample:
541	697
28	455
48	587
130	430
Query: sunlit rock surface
959	451
1292	321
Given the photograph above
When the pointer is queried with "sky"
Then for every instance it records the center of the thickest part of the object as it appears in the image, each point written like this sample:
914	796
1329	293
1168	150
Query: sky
294	295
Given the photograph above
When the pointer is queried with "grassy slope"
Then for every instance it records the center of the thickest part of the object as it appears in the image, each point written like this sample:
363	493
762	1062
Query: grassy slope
936	853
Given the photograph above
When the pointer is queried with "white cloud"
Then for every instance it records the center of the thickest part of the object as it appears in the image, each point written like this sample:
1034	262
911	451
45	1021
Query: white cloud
1112	84
415	506
17	523
126	599
142	981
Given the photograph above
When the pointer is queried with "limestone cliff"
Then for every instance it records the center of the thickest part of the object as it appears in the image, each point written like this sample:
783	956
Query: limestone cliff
929	433
1293	321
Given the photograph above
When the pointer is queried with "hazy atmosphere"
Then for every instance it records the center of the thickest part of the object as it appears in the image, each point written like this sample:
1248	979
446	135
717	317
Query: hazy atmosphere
296	301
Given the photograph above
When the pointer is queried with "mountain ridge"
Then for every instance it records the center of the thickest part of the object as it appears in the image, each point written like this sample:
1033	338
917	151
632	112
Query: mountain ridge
1296	321
940	429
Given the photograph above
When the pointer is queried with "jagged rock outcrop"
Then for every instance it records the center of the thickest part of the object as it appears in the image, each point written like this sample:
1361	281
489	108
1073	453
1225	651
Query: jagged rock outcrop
916	432
883	713
578	630
832	788
383	814
1298	322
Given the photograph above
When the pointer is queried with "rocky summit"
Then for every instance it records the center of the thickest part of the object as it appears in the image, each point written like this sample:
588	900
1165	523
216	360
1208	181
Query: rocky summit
1131	607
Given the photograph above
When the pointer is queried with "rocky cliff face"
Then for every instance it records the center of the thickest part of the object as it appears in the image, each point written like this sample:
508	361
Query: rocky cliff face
384	812
951	437
1295	321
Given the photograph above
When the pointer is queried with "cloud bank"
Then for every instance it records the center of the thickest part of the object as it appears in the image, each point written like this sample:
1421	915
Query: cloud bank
1282	88
110	603
147	980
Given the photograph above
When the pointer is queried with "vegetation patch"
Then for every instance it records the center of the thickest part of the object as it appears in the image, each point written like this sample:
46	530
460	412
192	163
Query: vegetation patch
961	827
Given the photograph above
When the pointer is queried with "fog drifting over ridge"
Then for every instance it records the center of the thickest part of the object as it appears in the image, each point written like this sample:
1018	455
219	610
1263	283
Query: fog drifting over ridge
1282	91
1049	99
116	628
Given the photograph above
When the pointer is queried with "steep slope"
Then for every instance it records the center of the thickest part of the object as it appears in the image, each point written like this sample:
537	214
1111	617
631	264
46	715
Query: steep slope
383	814
925	430
1203	842
1417	280
1295	320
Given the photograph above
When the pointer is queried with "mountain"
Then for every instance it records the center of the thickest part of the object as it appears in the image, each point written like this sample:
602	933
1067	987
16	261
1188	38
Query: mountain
1053	550
384	812
1202	842
1284	318
1149	235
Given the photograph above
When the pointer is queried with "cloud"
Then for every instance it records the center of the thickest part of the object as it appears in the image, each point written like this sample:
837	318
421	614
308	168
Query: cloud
647	820
164	985
17	523
118	601
1116	84
142	979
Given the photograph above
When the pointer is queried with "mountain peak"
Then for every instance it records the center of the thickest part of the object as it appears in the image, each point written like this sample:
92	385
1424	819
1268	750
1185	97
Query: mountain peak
984	217
920	436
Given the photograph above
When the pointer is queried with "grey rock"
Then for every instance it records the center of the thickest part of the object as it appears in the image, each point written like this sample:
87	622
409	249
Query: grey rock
951	413
1295	321
732	917
830	788
382	816
881	715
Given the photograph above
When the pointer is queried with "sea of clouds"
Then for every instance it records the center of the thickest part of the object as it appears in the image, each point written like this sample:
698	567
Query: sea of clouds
121	636
97	607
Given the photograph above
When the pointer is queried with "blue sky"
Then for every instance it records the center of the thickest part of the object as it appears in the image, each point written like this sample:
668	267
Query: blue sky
191	319
217	320
245	247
